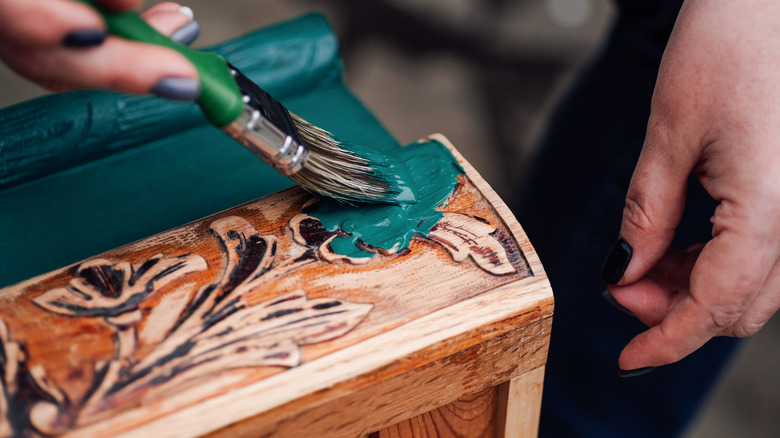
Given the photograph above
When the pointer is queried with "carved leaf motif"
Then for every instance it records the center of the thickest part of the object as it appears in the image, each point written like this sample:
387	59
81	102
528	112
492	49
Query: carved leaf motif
308	231
103	288
11	360
267	334
464	236
218	329
291	317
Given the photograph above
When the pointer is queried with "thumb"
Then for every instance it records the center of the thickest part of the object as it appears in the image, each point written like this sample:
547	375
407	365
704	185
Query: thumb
654	206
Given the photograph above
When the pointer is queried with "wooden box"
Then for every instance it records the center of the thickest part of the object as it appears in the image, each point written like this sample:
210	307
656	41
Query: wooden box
246	324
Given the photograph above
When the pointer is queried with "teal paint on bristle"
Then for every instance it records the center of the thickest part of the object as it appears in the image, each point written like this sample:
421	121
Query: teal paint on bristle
429	172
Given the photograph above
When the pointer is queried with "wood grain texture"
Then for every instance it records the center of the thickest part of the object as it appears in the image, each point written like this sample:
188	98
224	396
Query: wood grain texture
519	405
406	389
246	322
469	417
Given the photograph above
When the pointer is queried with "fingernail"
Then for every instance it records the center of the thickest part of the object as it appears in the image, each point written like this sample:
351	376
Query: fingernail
616	262
611	300
187	33
187	11
177	88
635	373
84	38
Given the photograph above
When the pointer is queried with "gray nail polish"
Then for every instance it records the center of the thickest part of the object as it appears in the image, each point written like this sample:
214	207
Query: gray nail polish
177	88
187	33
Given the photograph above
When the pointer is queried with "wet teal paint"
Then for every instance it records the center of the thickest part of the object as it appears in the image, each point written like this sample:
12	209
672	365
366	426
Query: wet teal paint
87	171
431	173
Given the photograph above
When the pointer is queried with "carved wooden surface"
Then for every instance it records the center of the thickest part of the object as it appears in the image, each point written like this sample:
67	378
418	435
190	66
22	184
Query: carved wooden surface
246	321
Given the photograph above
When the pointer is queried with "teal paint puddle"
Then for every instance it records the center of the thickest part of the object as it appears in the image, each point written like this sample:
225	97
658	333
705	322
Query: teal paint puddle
430	170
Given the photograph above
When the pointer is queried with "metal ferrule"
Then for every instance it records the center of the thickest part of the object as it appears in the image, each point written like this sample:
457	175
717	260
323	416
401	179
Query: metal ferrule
267	141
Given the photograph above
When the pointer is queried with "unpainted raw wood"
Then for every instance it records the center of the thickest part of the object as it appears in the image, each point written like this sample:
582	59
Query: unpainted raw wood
519	405
469	417
510	410
205	327
391	400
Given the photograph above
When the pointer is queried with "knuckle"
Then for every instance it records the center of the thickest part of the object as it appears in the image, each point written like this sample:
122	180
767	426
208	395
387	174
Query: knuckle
724	318
636	215
745	329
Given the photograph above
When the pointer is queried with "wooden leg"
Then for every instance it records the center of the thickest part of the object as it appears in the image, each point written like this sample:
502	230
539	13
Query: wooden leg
519	405
469	417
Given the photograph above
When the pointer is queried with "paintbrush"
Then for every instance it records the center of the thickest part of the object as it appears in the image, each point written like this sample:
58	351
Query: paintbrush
312	157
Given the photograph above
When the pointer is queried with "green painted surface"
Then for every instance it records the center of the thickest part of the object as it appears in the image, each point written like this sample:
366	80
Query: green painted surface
84	172
432	172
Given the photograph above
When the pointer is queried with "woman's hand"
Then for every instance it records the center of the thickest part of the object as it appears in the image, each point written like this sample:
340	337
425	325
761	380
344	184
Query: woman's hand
715	114
63	45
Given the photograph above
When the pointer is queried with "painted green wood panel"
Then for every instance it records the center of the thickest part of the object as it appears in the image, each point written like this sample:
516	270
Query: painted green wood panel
84	172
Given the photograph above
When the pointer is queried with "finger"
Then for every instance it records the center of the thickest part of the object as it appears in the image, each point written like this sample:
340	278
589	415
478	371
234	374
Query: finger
174	21
117	64
764	305
675	267
646	299
654	205
727	276
44	22
166	17
121	5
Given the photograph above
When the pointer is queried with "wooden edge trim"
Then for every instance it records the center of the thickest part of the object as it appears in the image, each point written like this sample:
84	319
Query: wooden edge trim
530	298
390	401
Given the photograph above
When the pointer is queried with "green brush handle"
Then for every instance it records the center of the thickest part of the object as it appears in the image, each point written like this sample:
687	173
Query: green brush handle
219	98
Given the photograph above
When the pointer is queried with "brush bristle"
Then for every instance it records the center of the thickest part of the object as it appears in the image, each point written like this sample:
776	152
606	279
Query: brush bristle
338	173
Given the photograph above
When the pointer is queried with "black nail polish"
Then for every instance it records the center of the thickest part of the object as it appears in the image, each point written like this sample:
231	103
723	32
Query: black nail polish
84	38
616	262
611	300
635	373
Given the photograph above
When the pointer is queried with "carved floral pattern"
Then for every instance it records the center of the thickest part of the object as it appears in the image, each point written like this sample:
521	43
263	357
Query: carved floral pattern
461	235
103	288
464	236
217	330
12	359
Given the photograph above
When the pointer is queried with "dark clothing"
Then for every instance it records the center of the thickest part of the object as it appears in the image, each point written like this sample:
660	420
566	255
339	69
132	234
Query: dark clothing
571	208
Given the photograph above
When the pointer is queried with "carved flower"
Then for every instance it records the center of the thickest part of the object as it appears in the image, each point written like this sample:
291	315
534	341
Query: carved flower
308	231
12	359
103	288
461	235
464	236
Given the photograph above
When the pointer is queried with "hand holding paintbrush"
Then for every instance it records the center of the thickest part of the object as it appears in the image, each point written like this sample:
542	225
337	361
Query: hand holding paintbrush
310	156
63	45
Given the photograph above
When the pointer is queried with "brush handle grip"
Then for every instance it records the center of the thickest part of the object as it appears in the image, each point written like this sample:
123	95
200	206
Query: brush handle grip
219	98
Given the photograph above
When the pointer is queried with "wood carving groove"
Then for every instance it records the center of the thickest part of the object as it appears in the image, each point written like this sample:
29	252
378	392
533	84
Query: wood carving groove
216	332
461	235
465	236
250	315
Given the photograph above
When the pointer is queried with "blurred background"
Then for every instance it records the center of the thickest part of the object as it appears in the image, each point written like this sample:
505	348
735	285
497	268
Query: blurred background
485	73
